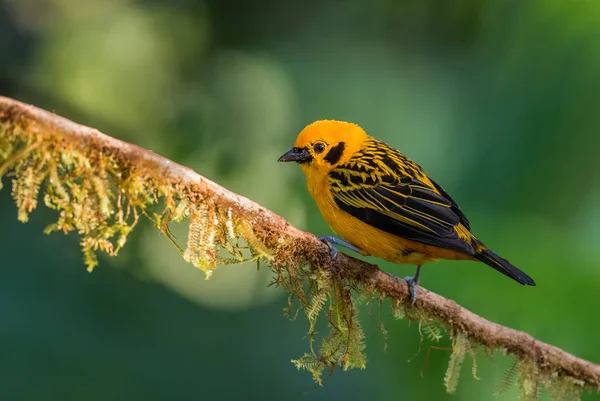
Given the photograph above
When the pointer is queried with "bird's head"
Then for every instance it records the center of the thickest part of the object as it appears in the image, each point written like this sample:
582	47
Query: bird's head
325	144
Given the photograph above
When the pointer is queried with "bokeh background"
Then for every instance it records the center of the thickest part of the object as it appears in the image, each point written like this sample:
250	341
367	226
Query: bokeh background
497	99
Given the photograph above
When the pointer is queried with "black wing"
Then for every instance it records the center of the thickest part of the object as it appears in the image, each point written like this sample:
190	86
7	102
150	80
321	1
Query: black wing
402	206
455	207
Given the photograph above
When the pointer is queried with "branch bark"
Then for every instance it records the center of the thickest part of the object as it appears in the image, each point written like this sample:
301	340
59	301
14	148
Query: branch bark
274	228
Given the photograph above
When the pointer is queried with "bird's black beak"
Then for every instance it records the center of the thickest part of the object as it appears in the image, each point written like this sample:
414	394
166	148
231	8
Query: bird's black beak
300	155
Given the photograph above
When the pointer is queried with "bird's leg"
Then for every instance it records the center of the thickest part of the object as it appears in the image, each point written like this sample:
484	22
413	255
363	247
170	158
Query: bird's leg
330	240
412	283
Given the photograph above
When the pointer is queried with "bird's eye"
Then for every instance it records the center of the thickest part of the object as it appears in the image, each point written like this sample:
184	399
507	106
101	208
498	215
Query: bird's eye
319	147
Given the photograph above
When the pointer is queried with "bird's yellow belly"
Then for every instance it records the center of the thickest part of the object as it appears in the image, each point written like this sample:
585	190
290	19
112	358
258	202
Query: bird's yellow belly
378	243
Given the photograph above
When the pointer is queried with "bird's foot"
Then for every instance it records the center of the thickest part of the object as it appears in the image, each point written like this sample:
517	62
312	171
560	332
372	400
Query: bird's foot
330	241
412	284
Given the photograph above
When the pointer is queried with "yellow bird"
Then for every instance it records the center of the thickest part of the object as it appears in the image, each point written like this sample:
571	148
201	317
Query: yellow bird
383	204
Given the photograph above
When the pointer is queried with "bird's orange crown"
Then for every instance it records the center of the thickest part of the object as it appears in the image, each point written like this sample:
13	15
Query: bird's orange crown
331	132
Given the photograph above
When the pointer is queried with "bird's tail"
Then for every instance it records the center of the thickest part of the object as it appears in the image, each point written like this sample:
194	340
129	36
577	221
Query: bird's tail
503	266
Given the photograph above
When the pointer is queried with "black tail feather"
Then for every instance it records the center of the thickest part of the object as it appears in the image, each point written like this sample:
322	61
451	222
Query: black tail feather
503	266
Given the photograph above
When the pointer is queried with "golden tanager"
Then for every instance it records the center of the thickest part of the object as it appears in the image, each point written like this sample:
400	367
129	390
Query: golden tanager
383	204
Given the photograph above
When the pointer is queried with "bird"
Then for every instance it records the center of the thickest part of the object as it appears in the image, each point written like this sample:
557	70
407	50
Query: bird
382	204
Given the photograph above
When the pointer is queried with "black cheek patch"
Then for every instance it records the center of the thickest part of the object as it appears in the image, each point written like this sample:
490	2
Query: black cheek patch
335	154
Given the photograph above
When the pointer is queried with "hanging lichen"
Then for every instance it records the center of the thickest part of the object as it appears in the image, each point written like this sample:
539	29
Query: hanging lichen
459	349
345	343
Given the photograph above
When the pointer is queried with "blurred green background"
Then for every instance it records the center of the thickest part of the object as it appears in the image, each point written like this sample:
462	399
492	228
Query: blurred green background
497	100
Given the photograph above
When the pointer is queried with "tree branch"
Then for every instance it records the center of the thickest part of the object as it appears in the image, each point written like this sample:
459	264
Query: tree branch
273	231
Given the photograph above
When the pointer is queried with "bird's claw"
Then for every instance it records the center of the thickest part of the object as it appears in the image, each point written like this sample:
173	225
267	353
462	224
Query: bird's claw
333	250
412	284
330	241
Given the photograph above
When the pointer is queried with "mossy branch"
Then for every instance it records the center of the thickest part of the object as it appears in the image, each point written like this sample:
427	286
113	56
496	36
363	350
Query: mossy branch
101	186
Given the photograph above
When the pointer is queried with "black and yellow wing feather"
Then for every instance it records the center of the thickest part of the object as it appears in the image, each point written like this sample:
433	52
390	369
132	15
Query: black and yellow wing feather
384	189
